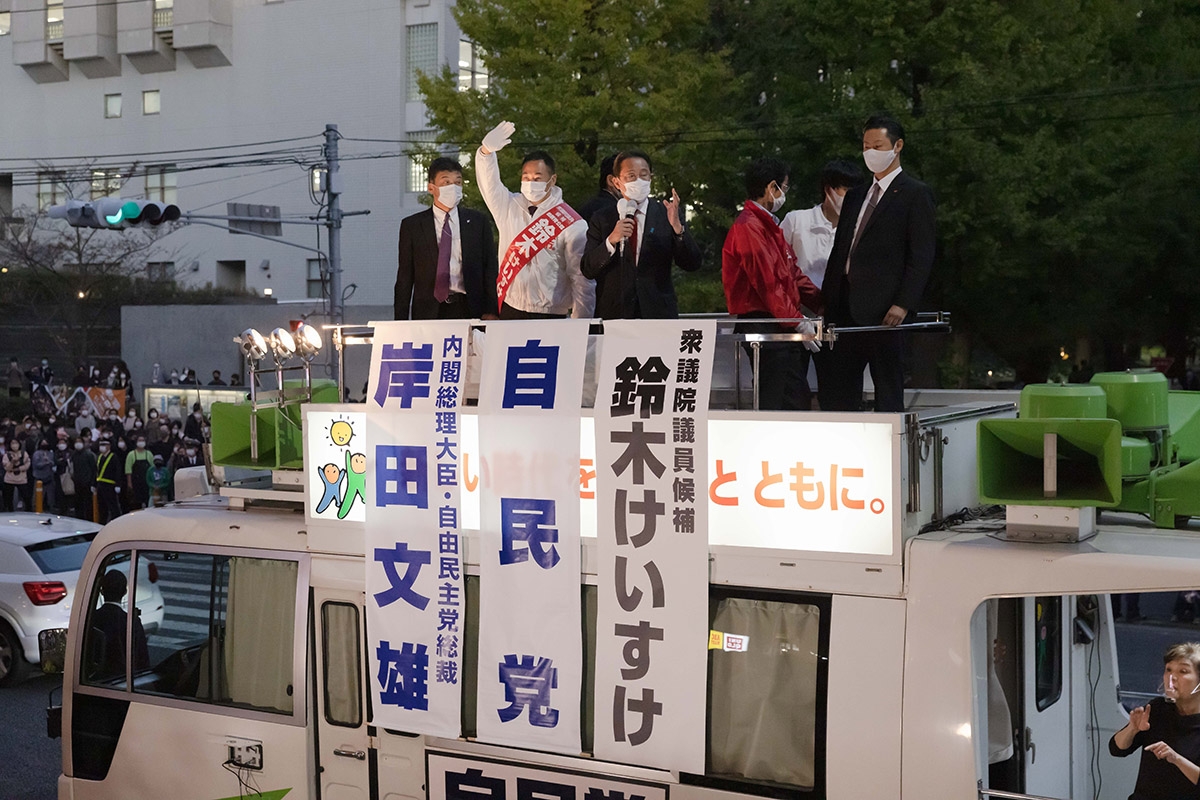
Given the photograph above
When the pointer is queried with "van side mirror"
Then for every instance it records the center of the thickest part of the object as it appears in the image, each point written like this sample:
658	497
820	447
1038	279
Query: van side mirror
53	646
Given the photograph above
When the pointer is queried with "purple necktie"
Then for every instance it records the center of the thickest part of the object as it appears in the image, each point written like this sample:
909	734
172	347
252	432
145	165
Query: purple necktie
441	284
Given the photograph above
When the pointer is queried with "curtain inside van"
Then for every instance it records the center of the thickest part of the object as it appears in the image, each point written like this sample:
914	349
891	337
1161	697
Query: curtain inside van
260	622
762	715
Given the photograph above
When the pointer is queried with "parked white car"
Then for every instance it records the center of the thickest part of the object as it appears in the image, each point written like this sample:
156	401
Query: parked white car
40	557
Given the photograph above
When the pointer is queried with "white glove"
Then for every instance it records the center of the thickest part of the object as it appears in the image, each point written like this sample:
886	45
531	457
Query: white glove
499	137
117	489
810	328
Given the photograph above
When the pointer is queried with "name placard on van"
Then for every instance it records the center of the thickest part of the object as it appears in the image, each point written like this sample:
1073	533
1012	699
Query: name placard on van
455	777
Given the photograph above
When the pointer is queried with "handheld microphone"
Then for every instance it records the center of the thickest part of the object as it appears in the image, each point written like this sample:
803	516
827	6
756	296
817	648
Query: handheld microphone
625	210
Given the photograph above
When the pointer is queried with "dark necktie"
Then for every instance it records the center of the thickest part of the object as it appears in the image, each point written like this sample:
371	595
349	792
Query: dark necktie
441	284
867	211
533	211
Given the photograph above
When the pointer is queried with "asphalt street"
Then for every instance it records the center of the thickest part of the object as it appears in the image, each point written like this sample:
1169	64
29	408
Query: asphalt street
29	761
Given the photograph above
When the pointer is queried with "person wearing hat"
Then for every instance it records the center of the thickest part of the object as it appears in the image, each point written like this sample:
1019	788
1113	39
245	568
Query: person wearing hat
158	480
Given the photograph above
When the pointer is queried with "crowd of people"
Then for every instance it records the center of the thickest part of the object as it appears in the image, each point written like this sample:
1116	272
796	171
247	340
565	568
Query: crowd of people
861	257
125	464
21	381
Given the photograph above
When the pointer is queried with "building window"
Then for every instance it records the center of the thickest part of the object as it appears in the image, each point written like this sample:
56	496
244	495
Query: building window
150	102
164	14
6	194
161	183
160	271
471	72
54	20
112	106
419	155
52	189
105	182
6	204
316	284
231	275
5	22
422	55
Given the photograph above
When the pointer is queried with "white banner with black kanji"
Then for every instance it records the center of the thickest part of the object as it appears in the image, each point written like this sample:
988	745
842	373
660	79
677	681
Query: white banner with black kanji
530	645
414	584
652	542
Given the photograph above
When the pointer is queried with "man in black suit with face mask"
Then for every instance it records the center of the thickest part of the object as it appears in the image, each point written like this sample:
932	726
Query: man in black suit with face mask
881	260
632	244
448	261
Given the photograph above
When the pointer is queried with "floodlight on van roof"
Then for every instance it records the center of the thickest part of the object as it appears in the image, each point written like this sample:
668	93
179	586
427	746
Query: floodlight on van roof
283	346
308	341
254	346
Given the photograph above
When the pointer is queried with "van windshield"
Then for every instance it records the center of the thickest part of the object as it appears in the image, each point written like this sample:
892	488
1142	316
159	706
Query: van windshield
61	555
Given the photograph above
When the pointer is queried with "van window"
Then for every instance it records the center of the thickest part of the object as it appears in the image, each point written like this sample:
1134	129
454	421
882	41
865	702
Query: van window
1048	666
1147	625
106	636
227	633
767	683
342	653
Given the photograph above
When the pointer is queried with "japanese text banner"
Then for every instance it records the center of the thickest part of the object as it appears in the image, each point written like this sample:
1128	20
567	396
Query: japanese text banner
530	646
415	602
651	420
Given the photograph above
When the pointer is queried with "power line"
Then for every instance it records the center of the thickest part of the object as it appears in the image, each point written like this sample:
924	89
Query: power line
175	152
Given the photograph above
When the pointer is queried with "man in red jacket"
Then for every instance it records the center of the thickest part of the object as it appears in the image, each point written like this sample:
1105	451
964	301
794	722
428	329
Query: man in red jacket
762	282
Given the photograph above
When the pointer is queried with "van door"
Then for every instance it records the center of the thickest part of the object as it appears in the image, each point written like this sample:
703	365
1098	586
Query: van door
1046	738
198	694
342	741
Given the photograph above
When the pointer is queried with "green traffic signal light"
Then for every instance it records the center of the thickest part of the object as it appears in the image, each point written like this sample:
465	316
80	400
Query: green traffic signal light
128	212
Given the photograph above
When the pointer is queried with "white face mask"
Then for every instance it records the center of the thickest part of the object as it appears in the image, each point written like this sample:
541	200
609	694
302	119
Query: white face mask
778	202
637	191
534	191
62	445
836	201
879	160
79	445
450	195
191	453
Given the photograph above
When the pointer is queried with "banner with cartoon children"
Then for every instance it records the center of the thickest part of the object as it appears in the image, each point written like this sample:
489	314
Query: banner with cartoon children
336	465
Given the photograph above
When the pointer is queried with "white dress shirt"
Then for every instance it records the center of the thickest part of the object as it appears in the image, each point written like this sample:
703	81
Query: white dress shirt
810	233
439	219
551	283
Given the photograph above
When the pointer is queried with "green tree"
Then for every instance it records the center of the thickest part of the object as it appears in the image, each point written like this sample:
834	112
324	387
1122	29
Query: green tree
1046	132
587	78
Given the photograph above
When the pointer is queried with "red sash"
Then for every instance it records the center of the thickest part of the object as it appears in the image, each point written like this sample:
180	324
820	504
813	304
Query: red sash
537	236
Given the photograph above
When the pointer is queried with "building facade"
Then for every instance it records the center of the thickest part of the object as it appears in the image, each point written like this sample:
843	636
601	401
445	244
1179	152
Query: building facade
205	103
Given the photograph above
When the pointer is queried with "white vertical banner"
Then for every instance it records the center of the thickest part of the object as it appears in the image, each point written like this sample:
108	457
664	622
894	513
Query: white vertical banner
415	597
652	542
530	645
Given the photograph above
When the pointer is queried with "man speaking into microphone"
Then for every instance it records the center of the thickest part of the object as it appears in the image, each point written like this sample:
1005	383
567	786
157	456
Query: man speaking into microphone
631	247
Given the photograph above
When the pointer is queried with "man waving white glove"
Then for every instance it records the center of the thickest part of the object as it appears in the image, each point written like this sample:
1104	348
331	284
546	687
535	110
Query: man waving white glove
498	137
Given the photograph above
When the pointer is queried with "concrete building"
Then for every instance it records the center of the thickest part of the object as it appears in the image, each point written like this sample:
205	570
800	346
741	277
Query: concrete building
209	102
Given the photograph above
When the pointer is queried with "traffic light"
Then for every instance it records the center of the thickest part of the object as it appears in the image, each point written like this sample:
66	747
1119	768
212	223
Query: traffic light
114	213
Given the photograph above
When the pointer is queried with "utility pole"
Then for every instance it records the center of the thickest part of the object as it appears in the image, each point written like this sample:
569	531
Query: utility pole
334	223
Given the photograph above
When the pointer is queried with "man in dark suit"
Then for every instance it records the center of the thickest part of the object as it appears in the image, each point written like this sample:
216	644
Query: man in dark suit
448	260
881	260
106	650
632	245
